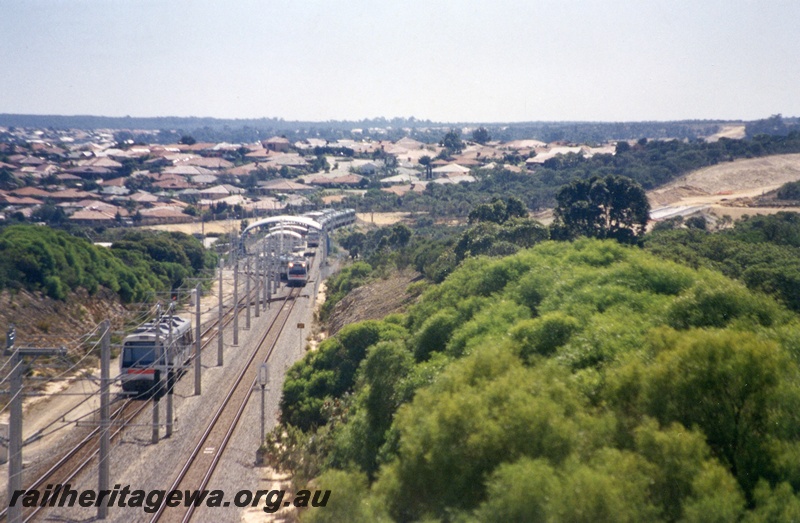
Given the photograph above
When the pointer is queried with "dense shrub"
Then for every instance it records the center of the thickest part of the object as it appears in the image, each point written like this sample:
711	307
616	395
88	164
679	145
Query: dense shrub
763	252
572	381
138	265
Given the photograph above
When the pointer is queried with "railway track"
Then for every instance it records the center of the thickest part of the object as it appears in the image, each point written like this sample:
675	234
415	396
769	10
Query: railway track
82	454
199	467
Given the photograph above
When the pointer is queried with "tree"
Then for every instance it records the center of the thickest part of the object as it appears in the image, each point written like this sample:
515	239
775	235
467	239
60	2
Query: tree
728	385
452	142
499	211
774	125
789	191
400	235
49	213
354	243
622	147
481	135
319	164
515	208
425	161
494	212
187	140
611	207
8	180
697	222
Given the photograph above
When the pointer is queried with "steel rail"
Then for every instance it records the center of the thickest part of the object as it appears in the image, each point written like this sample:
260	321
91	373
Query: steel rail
66	458
289	299
95	433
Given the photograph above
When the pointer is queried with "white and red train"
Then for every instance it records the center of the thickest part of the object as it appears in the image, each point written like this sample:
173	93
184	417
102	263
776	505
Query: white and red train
151	351
297	273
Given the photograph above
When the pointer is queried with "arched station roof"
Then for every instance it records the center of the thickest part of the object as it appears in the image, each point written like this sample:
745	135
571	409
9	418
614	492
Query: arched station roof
298	220
285	232
291	227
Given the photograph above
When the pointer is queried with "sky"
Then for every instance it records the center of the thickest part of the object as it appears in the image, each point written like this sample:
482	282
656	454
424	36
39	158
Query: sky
447	61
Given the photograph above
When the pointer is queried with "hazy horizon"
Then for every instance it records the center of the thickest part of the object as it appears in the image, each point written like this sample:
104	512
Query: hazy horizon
508	61
389	119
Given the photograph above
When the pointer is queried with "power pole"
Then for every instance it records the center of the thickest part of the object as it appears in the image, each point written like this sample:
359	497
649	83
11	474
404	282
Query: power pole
14	426
247	292
278	252
169	354
258	284
236	301
280	261
221	314
154	436
266	274
280	239
105	421
156	376
263	380
197	365
15	410
269	282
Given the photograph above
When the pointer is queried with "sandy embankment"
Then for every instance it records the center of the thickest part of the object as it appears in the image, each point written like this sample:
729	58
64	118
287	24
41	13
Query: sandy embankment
728	188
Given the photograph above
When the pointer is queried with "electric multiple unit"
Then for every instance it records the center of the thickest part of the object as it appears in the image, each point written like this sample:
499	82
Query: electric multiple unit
151	351
329	219
297	273
283	263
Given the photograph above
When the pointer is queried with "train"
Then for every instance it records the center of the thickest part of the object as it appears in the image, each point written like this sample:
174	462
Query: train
297	273
148	356
311	227
329	219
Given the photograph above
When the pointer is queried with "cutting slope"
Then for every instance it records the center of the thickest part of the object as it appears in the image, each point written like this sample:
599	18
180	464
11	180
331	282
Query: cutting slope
731	183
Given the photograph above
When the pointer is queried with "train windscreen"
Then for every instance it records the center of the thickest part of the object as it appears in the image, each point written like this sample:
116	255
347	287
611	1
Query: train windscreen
139	354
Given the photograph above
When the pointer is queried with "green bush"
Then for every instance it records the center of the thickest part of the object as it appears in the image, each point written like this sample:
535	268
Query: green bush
583	381
543	336
717	303
330	371
54	262
435	333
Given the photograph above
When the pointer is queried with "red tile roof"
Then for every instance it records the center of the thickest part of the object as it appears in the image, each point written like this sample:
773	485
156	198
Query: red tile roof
30	191
71	194
13	200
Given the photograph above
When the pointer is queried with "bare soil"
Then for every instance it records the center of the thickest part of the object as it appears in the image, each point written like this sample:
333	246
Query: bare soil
215	227
40	320
385	218
374	300
734	132
730	181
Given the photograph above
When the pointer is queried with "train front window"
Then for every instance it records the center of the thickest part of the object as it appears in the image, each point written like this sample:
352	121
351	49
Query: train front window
297	270
138	354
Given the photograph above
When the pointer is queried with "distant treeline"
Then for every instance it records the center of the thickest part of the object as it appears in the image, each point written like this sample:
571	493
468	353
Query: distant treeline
170	129
139	264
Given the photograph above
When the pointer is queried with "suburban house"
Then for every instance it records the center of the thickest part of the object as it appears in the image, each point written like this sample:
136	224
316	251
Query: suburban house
277	143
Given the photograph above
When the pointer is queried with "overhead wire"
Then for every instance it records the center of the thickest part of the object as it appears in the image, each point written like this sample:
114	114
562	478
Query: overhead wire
78	342
7	376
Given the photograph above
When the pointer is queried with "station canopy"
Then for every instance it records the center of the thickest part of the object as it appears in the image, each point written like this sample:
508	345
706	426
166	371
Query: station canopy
287	219
290	227
285	232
